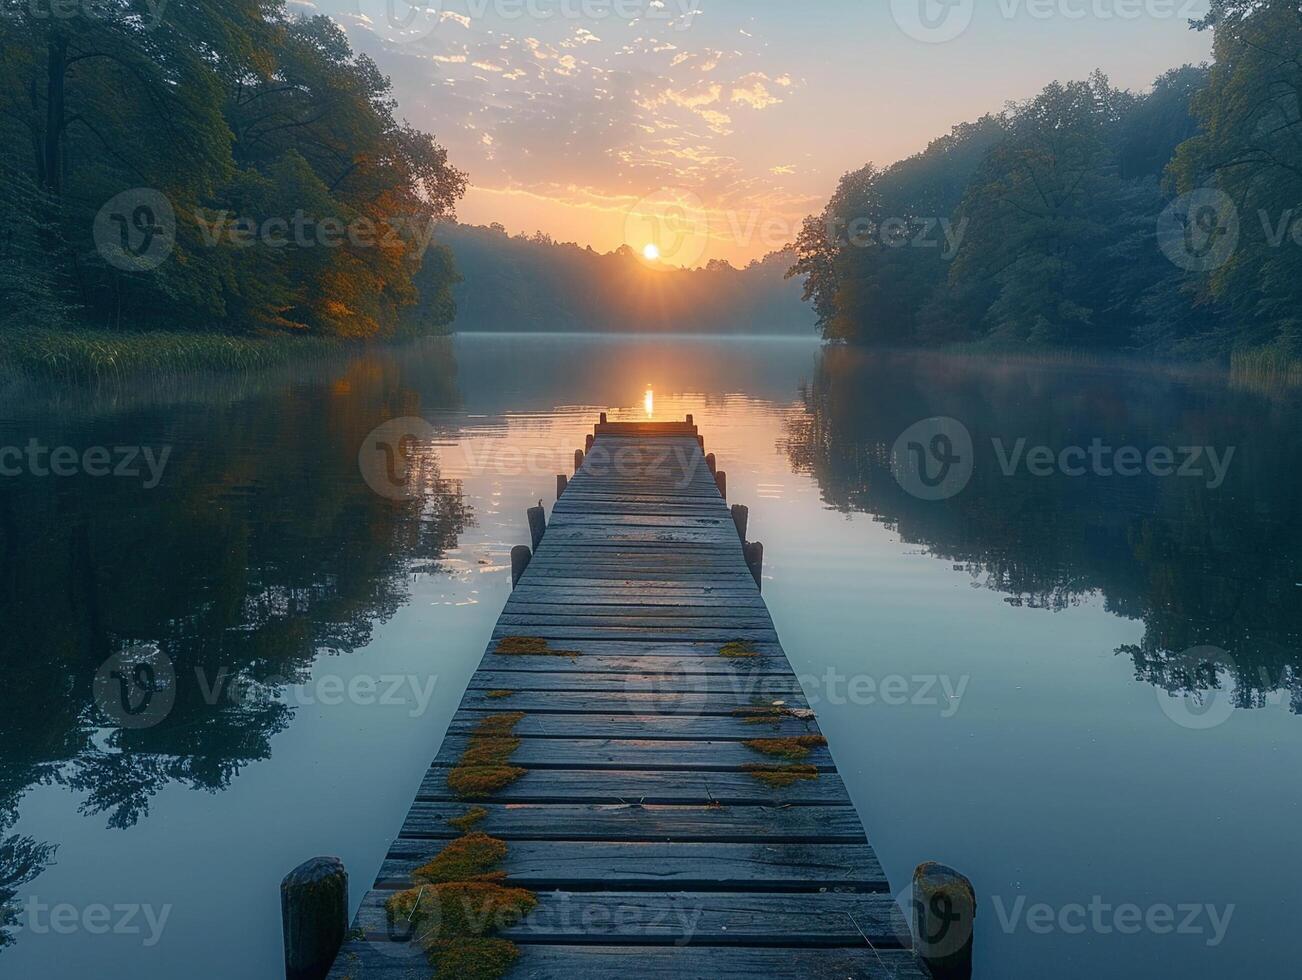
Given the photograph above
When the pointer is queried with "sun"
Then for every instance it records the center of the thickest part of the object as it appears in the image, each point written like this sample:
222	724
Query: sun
651	251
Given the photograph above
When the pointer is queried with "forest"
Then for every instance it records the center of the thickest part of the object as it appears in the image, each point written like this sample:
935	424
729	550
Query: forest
533	284
216	166
1089	217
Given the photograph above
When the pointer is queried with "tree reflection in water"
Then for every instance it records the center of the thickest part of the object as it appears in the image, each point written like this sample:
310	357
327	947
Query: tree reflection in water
261	550
1201	567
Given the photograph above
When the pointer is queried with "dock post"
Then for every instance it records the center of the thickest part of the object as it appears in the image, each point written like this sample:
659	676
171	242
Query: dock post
711	464
721	478
603	418
587	442
313	917
537	524
562	481
740	515
520	557
689	419
754	552
944	912
578	460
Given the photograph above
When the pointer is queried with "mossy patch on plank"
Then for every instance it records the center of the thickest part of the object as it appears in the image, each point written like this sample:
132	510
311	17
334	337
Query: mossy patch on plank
458	900
771	714
459	909
793	748
529	646
483	767
474	857
497	726
473	959
768	714
467	821
739	648
779	777
498	695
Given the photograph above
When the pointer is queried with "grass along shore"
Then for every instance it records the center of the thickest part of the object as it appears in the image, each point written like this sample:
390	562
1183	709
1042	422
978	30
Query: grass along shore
83	356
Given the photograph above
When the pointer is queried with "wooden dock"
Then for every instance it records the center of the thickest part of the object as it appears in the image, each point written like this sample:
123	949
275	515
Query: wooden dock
653	845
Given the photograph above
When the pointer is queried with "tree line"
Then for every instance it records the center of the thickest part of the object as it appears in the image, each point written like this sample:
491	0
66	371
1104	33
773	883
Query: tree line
535	284
214	165
1089	216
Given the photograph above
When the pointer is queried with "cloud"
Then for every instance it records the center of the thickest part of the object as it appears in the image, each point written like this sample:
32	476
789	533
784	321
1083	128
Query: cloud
752	90
588	116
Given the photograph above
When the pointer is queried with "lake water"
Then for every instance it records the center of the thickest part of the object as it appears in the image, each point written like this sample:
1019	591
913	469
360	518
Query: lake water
1004	674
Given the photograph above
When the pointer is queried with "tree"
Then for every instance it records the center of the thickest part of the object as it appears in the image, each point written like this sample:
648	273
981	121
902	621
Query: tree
1250	147
242	120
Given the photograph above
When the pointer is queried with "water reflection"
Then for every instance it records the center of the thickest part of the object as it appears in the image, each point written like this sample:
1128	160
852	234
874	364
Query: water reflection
263	551
1202	566
260	550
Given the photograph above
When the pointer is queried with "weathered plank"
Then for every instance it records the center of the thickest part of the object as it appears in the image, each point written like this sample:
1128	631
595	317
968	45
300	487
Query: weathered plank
618	753
756	824
643	620
655	865
683	918
719	635
766	686
668	787
363	960
691	727
622	703
651	648
661	663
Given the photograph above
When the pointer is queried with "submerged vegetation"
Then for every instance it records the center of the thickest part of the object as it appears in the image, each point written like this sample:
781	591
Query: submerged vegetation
1090	217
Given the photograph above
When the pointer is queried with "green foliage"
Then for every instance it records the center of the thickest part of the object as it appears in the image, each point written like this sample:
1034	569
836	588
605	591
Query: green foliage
301	203
1250	147
1056	203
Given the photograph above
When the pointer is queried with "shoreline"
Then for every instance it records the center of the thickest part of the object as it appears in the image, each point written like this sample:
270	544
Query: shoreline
91	355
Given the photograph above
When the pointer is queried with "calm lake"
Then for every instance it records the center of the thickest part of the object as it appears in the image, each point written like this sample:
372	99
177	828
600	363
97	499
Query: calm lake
1005	674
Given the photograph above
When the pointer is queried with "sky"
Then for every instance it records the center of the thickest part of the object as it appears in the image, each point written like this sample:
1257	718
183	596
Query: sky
710	128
